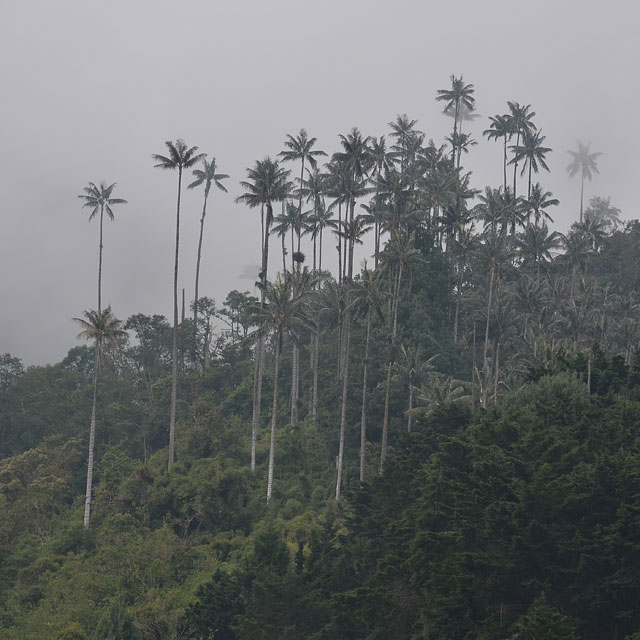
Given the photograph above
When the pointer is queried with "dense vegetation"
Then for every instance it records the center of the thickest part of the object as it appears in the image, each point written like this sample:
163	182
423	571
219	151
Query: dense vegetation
449	447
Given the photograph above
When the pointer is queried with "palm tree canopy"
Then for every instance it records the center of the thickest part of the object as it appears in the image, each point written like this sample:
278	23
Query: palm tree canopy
208	176
101	326
267	182
460	93
97	198
500	128
520	117
180	156
583	161
300	148
356	153
531	150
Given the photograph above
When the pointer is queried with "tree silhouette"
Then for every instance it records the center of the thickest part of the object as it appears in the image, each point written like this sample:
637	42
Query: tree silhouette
99	199
207	176
585	163
103	328
180	157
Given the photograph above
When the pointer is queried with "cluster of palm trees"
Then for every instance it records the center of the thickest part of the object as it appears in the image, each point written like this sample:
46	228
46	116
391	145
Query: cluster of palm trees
514	294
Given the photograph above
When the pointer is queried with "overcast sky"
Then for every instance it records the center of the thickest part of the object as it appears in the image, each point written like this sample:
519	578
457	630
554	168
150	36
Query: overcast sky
91	89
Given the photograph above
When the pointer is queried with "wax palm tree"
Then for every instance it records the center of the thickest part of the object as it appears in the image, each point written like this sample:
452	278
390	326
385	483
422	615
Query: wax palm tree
367	297
267	183
538	202
382	159
532	152
461	142
585	163
180	157
493	253
520	119
102	328
411	370
207	176
458	97
536	245
404	131
501	127
99	200
301	148
279	314
399	256
438	391
602	211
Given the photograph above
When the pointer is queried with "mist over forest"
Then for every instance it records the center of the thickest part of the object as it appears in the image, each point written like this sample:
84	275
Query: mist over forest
336	344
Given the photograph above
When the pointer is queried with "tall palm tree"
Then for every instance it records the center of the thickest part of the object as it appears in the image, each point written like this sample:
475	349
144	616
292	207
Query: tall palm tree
280	314
536	245
458	97
520	119
207	176
532	152
180	157
501	127
103	328
586	163
538	202
401	253
300	148
367	299
410	370
267	183
99	199
403	130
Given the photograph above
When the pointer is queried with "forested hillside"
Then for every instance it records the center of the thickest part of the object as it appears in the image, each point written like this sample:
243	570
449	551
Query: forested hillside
439	443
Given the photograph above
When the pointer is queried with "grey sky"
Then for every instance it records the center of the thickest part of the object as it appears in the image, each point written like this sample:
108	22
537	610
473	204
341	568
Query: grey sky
90	90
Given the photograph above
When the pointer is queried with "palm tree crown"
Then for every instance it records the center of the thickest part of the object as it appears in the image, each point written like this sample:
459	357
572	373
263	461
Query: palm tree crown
99	198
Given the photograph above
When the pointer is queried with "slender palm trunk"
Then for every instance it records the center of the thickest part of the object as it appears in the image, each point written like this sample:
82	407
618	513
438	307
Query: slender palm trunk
195	299
92	439
295	382
174	350
274	416
392	351
505	163
410	415
345	372
456	314
100	263
343	407
257	395
474	392
257	378
485	355
363	414
497	372
581	196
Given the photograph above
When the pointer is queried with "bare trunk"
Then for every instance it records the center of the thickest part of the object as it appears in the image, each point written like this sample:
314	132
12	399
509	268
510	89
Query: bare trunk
274	416
100	263
295	380
485	355
392	350
195	299
363	415
343	408
473	370
174	350
410	407
257	394
257	379
497	372
92	439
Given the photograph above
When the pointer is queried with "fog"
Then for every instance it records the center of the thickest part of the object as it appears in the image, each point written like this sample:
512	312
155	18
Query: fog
91	90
